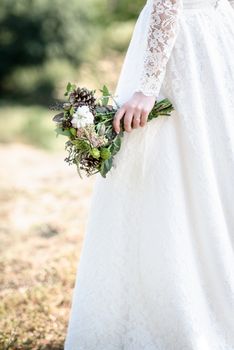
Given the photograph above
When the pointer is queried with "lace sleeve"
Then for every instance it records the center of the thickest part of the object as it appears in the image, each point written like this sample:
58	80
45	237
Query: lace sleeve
162	31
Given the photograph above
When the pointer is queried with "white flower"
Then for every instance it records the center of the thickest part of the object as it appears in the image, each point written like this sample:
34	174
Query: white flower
82	117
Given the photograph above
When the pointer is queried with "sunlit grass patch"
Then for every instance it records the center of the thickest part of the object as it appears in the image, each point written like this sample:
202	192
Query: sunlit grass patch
28	124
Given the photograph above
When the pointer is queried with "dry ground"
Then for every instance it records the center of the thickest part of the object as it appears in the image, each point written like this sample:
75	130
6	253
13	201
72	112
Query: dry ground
43	212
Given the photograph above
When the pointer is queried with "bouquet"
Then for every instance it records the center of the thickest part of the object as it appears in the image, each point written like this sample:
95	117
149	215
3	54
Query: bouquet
87	122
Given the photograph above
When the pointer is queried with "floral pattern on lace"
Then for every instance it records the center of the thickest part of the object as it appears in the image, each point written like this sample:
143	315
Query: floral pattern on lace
163	28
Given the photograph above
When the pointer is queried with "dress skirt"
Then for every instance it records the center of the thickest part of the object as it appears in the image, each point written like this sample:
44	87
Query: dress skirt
156	270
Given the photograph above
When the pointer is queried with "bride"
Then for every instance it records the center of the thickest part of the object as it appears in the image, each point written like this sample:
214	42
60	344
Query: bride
157	265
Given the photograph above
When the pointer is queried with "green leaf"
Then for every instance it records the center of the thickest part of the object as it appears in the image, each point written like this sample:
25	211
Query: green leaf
105	153
105	95
72	111
73	87
81	145
106	166
63	132
161	108
116	145
70	87
73	131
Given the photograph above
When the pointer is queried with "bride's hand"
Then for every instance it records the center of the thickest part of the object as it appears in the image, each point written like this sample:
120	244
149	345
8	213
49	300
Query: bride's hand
135	112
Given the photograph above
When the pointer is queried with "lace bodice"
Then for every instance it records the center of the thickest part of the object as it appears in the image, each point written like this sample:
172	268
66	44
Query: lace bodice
162	31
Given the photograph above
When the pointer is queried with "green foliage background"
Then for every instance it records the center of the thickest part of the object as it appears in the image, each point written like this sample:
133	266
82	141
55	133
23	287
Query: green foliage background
44	44
36	35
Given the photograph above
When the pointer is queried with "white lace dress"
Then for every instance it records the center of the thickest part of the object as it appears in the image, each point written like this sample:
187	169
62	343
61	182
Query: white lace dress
157	264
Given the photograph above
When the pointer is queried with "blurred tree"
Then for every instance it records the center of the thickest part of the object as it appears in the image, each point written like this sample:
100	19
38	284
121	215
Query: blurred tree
125	9
33	31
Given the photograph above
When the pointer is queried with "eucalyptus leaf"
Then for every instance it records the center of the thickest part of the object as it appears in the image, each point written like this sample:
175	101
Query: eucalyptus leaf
116	145
58	117
106	166
63	132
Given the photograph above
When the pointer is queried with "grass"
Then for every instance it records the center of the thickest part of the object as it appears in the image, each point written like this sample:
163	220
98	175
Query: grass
35	317
43	213
27	124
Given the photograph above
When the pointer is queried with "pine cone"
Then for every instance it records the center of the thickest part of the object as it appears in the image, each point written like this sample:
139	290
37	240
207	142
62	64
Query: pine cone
89	165
83	97
66	124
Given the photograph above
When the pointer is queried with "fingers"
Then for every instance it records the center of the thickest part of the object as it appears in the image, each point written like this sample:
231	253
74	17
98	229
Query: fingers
128	119
127	112
134	117
135	112
137	118
144	117
118	116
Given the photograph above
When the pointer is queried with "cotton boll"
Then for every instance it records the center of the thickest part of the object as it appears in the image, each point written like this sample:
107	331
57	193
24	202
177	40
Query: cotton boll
82	117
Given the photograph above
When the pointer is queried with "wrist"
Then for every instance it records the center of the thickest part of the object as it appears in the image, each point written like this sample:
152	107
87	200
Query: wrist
141	94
